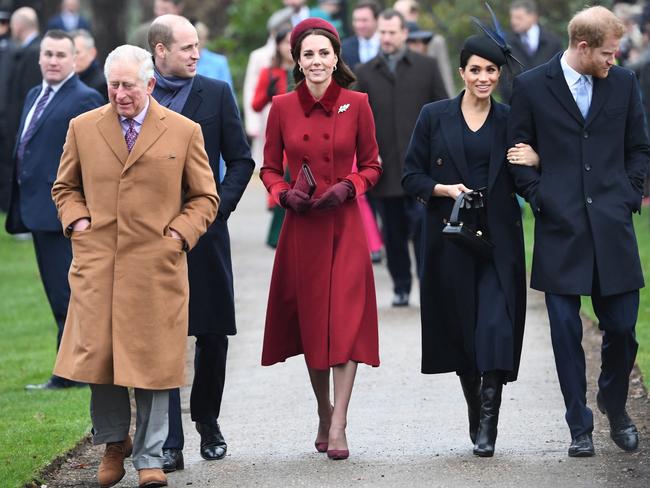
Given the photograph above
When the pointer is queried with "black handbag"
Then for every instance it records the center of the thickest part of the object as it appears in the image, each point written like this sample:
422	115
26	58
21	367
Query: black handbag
473	240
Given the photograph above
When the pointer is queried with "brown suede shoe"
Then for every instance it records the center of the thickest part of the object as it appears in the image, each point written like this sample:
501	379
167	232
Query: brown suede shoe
111	469
151	478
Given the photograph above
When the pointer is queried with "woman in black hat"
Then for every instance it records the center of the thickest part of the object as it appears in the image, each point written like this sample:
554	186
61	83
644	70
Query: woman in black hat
472	307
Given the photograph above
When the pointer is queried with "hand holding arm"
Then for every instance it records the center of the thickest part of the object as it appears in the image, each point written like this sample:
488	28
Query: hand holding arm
523	155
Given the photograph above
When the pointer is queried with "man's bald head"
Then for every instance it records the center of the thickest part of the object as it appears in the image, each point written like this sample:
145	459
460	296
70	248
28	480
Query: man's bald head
174	43
24	22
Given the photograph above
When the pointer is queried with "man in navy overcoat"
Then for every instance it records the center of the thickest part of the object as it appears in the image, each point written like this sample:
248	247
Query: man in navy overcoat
210	103
39	143
584	117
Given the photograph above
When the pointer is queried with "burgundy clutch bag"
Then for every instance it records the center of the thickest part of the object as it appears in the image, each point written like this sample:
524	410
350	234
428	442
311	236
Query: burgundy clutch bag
305	182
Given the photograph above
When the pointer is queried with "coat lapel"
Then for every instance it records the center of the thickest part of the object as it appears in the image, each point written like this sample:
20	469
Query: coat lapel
557	84
599	96
109	127
151	130
194	100
452	130
497	154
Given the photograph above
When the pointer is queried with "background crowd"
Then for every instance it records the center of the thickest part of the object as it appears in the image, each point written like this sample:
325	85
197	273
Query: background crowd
400	70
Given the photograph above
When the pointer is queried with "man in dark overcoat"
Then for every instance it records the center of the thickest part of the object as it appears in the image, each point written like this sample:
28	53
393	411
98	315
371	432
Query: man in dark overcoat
174	43
531	43
47	111
399	83
584	117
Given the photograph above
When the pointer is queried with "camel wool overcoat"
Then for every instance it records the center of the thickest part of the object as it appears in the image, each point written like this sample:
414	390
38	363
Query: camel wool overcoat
128	315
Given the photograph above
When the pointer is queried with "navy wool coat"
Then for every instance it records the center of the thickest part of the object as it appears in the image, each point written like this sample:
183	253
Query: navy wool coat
212	303
449	279
589	182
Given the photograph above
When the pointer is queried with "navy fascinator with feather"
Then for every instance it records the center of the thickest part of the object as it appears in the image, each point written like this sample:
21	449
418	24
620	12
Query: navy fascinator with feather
498	36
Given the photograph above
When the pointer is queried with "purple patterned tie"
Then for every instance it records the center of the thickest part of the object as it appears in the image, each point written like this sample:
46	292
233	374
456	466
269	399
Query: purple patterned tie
131	134
38	111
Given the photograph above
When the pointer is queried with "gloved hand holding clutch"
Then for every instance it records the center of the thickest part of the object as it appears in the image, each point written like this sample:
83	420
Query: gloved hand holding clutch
296	200
335	195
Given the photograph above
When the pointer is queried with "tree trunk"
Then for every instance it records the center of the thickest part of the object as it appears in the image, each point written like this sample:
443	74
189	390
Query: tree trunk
109	19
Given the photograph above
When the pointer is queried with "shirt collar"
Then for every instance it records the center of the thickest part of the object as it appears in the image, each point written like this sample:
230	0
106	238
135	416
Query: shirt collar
57	87
533	33
327	101
371	42
139	119
29	39
570	75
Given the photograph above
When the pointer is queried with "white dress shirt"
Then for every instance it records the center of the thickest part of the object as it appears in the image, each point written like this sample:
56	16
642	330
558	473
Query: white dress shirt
572	78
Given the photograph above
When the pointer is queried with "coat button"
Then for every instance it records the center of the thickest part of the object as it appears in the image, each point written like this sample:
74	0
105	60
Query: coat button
587	167
518	223
327	159
327	180
439	161
305	137
326	136
585	135
589	200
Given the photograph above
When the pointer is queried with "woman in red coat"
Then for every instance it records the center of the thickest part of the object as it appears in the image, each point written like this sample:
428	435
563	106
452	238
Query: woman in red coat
322	299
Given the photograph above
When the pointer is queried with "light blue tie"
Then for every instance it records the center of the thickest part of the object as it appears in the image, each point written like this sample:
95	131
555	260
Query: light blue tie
582	96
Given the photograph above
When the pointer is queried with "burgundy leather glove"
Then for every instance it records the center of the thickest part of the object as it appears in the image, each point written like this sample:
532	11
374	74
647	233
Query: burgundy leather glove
296	200
335	195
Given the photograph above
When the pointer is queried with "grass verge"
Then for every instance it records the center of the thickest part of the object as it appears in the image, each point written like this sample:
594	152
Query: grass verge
35	427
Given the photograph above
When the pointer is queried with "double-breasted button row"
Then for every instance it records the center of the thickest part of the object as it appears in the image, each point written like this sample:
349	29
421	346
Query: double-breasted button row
439	161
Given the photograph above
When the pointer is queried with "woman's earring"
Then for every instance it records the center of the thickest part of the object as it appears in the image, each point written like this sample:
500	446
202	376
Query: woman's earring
335	67
300	68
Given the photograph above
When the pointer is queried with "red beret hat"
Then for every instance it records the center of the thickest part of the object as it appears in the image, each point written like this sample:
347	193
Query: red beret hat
309	24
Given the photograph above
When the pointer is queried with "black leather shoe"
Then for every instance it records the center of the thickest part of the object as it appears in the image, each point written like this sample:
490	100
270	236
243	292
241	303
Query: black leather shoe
582	446
471	384
621	429
401	299
213	445
172	460
55	383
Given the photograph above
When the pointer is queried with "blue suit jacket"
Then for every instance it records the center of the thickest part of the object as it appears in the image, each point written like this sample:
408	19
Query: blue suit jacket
31	207
350	51
212	306
56	22
589	182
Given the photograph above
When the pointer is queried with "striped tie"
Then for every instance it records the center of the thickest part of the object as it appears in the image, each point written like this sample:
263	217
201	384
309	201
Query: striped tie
27	135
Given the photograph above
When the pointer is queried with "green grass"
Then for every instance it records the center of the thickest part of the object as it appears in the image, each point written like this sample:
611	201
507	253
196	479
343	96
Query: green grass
642	226
35	427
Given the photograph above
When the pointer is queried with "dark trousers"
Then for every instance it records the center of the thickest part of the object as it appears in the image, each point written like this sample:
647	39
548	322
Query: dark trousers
401	222
617	315
54	255
207	388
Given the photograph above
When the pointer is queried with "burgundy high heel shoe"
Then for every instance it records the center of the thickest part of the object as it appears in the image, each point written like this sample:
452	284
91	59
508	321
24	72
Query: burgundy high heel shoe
338	454
321	446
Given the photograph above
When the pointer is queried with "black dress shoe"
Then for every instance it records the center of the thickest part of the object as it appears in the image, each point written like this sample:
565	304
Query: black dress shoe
621	429
172	460
55	383
401	299
213	445
582	446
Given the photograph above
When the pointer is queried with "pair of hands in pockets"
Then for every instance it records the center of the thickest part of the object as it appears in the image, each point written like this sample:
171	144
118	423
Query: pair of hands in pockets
521	154
84	223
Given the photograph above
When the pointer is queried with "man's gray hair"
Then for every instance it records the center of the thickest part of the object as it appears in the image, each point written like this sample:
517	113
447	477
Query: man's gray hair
133	54
89	41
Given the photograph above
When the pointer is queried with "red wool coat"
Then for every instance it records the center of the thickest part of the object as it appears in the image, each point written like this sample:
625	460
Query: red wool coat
322	298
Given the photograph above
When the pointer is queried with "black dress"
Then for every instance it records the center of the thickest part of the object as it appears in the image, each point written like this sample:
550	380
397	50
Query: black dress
493	333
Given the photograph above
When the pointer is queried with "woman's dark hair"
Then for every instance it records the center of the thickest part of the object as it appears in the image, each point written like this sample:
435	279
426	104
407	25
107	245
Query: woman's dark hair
279	37
343	74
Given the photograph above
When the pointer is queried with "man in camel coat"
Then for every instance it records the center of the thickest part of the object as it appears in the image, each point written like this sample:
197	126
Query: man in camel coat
134	192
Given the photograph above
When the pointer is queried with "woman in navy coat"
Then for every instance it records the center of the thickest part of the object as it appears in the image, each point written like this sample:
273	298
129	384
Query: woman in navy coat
322	299
472	309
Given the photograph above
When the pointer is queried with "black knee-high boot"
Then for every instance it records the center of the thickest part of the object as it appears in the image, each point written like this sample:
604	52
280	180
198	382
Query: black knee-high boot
491	389
471	383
